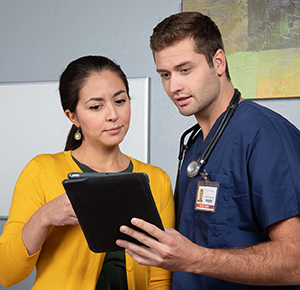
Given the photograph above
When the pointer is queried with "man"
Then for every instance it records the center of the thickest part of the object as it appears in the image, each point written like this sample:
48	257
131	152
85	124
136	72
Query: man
246	229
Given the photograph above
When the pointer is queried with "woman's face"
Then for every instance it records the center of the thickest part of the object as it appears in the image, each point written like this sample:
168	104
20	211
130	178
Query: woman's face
103	110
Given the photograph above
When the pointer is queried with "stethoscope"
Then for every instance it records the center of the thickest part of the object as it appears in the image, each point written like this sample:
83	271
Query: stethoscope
195	166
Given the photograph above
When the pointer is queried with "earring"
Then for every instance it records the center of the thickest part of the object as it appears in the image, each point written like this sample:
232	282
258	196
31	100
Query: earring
77	135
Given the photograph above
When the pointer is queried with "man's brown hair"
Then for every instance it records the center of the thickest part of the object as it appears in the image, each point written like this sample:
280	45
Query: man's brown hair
194	25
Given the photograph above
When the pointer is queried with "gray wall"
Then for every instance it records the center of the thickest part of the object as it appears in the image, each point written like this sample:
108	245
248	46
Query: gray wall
39	38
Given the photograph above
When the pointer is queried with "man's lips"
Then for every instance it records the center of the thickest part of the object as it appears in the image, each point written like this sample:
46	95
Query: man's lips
182	101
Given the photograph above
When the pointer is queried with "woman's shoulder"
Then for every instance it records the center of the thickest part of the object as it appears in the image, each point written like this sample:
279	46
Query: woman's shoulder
49	166
154	173
140	166
50	161
52	157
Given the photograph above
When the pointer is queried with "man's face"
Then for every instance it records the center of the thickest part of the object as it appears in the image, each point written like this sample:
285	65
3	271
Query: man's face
187	78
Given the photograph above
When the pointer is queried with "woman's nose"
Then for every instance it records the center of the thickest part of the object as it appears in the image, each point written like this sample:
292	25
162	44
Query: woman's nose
112	114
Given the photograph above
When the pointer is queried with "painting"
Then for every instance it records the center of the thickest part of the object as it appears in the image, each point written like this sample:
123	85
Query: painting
262	43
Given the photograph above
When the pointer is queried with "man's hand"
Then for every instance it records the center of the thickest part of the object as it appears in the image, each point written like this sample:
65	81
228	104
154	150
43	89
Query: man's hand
275	262
171	251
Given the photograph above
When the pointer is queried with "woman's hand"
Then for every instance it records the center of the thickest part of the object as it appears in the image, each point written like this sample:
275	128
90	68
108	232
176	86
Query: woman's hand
57	212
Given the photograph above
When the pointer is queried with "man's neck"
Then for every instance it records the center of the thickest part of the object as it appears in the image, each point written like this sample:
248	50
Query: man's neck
207	119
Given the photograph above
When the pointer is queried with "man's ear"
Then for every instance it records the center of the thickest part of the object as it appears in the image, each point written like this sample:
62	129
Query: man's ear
219	61
72	117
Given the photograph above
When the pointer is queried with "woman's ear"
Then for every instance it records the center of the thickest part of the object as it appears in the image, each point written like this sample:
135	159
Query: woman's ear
72	117
219	61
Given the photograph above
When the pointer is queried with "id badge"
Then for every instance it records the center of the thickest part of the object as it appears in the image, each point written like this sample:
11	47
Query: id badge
206	195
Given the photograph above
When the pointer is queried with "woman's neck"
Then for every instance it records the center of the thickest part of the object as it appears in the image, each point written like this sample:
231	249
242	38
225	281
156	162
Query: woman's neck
108	160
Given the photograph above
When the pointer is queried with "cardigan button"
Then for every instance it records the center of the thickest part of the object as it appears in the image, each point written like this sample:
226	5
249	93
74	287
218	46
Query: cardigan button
129	269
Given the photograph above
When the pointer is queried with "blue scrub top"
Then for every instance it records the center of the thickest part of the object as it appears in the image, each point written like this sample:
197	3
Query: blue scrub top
257	164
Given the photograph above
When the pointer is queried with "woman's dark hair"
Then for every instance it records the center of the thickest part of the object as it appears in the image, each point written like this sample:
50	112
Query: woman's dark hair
194	25
73	79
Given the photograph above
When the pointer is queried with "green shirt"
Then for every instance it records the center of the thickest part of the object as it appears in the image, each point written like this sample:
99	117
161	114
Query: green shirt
113	273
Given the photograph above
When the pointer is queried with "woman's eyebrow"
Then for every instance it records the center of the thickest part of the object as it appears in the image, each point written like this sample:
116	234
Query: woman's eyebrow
101	99
119	93
94	99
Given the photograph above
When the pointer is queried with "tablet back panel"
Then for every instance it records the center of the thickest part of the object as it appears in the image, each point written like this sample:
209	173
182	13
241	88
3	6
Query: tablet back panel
103	203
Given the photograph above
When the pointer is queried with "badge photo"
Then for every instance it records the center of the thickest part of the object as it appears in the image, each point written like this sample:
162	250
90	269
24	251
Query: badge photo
206	195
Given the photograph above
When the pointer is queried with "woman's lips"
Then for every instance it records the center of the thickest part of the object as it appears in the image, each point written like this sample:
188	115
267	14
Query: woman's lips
114	130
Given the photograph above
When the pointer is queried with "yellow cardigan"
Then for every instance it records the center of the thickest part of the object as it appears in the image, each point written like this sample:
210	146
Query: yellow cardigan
65	261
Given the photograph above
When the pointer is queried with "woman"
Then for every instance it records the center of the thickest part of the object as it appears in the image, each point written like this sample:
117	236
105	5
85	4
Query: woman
42	229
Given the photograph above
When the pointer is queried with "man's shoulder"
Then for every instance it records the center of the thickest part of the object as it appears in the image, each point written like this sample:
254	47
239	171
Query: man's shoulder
251	113
248	106
255	121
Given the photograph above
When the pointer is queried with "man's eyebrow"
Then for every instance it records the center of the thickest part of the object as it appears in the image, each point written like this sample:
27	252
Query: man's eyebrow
182	64
176	66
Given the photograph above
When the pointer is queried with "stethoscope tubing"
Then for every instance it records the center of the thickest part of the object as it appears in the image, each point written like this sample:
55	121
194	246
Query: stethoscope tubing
227	116
210	147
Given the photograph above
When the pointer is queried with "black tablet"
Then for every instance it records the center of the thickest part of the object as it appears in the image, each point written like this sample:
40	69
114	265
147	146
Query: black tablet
105	201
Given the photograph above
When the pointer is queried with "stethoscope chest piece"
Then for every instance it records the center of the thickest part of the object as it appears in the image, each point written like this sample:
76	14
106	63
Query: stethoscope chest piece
193	168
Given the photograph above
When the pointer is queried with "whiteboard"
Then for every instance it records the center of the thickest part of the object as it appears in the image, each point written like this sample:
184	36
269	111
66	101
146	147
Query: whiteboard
33	122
